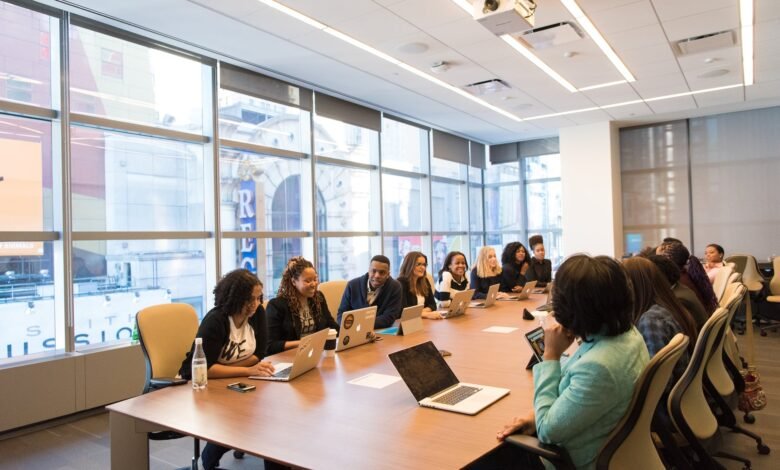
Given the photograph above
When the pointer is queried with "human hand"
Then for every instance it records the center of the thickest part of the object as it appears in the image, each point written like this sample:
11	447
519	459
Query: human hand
557	340
262	369
519	425
431	315
517	289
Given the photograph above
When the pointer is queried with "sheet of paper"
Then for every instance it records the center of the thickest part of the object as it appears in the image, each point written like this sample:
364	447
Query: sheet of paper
374	380
500	329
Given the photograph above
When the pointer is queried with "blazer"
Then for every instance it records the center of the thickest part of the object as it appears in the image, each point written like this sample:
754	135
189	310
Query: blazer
579	403
282	327
410	300
388	302
539	271
511	277
482	284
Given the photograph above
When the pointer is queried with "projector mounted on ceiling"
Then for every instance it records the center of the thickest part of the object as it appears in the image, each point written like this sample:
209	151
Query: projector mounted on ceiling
504	16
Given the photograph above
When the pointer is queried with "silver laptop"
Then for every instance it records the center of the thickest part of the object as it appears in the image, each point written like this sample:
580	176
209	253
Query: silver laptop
459	302
410	322
434	385
490	298
306	358
548	306
357	327
528	288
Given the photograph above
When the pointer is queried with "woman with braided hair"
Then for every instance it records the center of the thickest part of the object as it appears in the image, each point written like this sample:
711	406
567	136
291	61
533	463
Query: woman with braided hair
692	273
299	309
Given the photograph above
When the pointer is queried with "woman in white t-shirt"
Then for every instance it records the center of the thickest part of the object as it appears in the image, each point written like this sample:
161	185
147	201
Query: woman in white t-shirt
452	277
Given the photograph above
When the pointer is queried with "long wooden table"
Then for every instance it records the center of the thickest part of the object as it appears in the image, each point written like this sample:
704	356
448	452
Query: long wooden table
320	421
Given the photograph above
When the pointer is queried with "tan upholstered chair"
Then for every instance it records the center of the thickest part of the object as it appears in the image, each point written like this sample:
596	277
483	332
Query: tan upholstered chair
631	444
333	291
721	280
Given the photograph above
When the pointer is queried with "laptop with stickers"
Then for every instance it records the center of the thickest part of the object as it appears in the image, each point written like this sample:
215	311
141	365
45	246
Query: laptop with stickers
357	328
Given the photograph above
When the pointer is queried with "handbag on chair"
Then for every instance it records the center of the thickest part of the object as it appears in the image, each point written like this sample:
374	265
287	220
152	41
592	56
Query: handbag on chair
753	397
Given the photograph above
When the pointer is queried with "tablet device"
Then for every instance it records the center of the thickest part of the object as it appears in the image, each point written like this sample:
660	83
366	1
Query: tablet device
535	339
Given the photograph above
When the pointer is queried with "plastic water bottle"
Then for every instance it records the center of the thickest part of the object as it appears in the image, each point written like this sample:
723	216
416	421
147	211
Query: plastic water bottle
199	366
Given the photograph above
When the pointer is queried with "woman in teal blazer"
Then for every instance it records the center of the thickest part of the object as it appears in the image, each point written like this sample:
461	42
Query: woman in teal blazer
579	402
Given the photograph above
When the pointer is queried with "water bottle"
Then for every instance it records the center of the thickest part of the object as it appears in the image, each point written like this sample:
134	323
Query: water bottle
199	366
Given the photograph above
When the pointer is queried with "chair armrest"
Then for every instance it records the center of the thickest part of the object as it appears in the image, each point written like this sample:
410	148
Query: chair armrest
162	382
554	454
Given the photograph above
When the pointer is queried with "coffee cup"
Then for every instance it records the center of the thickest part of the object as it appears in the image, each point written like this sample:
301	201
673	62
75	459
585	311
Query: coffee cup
330	343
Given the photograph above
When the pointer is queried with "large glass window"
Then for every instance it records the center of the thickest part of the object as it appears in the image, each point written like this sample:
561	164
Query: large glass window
342	141
345	257
542	176
404	147
345	199
267	257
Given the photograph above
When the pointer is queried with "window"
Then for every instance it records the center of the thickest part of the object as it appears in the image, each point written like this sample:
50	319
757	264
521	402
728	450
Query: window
342	141
112	63
542	176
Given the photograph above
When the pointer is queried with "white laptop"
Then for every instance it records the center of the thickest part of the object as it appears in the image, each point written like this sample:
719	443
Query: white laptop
434	385
459	302
528	288
489	300
306	358
410	322
357	327
547	307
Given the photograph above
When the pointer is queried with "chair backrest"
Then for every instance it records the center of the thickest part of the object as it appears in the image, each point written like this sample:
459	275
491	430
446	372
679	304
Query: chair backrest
731	287
631	444
166	333
688	407
333	291
774	283
716	369
721	280
751	276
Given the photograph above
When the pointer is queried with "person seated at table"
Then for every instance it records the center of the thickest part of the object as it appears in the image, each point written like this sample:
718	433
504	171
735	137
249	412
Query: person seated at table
713	260
577	404
514	265
485	273
415	287
658	315
235	336
452	277
684	295
539	269
692	273
376	287
298	309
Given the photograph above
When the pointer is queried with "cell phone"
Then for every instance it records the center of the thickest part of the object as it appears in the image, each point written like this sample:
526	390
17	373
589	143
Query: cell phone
240	387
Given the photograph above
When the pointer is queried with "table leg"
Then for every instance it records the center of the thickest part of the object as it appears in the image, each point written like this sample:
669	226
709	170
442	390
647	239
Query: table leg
129	443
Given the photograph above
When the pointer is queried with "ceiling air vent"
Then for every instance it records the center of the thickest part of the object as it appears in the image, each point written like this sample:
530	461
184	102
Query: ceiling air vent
706	43
551	35
487	87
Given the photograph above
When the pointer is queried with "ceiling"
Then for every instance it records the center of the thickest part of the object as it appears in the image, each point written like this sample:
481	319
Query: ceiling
422	32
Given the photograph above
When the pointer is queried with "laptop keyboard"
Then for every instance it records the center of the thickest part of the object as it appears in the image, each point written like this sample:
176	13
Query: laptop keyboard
284	373
458	395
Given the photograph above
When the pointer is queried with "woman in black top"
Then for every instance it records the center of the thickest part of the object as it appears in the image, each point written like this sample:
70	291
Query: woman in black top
486	272
299	309
540	269
415	286
514	265
234	336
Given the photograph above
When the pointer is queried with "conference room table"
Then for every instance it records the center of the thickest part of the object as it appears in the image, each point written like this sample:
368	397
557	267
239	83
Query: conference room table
321	421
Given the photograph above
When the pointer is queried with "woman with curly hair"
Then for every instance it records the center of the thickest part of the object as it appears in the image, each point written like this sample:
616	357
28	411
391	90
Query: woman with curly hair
692	273
514	265
299	309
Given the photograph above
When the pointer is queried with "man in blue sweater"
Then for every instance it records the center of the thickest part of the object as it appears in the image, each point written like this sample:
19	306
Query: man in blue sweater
376	287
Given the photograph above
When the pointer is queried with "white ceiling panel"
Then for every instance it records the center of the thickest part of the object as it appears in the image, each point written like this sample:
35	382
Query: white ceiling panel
711	21
629	111
374	28
428	14
661	86
612	94
763	90
591	6
674	9
460	33
681	103
714	98
766	10
622	18
332	11
589	117
622	41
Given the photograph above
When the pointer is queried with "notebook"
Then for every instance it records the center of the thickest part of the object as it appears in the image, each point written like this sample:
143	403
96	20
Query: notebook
434	385
306	358
357	327
490	298
523	294
459	302
410	322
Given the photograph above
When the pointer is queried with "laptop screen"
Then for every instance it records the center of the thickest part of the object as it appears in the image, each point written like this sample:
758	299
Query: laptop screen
424	370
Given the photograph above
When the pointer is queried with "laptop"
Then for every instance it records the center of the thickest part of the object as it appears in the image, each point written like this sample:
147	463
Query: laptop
410	322
459	302
490	298
306	358
547	307
434	385
357	327
523	294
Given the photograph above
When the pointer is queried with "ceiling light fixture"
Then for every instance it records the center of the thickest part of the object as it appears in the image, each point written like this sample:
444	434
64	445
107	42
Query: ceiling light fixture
377	53
594	34
746	23
520	47
603	85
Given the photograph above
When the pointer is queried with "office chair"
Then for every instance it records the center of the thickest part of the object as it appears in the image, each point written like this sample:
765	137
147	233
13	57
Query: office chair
688	407
770	311
166	333
721	280
630	445
333	291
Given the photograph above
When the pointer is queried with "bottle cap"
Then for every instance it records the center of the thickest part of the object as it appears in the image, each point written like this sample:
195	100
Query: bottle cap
198	340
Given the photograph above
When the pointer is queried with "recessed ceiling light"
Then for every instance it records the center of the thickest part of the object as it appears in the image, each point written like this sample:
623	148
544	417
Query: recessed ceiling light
713	73
414	48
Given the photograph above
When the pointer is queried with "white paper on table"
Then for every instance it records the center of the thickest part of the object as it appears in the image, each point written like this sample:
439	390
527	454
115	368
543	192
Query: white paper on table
499	329
374	380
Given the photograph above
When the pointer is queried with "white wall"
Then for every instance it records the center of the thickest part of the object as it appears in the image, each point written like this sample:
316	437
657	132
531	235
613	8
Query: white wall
590	177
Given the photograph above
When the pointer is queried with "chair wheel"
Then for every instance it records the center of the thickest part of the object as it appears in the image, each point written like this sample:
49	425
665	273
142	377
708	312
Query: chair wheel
237	454
763	333
763	449
750	419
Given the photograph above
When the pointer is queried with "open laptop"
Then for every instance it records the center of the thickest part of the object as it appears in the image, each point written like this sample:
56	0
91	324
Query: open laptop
490	298
410	322
434	385
523	294
547	307
357	327
306	358
459	302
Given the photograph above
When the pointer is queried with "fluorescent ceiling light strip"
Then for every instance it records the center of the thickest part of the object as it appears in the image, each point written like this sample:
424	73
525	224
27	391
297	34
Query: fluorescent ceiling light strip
594	34
746	23
603	85
388	58
519	47
465	4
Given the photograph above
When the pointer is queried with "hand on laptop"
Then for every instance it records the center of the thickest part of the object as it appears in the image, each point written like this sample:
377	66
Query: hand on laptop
517	289
557	340
431	315
262	369
503	295
519	425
